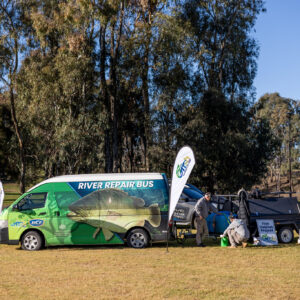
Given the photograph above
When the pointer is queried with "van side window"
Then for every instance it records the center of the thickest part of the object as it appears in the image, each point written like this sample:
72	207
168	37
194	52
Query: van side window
33	201
64	199
150	196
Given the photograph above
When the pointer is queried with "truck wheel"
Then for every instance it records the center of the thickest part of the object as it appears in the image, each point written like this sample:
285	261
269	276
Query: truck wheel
138	238
31	241
285	235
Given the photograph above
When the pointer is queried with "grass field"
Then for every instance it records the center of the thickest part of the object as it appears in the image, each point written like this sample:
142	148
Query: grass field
184	272
119	272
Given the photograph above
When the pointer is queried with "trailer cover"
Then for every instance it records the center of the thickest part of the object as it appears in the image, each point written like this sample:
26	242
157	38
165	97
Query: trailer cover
274	206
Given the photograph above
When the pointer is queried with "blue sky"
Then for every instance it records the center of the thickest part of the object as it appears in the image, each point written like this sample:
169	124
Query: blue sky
278	35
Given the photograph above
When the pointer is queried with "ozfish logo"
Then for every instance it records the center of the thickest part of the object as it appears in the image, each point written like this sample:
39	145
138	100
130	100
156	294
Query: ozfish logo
36	222
182	168
18	224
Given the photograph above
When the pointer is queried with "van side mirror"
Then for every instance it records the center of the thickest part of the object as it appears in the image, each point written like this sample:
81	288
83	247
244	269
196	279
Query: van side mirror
15	207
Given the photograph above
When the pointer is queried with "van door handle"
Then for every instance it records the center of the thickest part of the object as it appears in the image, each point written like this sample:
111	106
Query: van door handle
42	213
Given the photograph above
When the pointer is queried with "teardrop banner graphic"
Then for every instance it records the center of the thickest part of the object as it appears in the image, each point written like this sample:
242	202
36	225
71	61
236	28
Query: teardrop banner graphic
184	163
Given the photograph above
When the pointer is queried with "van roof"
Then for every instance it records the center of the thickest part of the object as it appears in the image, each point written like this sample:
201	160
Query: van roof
100	177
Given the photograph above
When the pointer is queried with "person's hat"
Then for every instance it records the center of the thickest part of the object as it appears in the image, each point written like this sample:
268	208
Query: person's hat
231	216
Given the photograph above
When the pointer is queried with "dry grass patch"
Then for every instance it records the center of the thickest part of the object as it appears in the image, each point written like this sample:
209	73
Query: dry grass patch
119	272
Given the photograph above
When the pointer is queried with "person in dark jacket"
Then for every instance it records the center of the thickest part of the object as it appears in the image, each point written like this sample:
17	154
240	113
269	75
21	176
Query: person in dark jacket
202	208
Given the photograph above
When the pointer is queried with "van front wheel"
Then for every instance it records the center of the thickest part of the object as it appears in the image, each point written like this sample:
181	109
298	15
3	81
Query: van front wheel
31	241
138	238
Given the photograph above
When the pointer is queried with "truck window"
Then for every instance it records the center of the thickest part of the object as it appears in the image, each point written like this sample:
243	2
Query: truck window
33	201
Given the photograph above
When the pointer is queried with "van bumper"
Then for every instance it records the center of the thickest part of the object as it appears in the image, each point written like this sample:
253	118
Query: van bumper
4	235
13	242
161	237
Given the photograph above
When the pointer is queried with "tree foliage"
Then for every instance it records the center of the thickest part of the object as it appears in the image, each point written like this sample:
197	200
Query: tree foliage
11	46
119	86
7	158
232	148
283	115
224	53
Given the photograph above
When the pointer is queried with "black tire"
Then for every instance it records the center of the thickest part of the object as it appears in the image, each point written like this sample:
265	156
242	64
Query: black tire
285	235
32	241
138	238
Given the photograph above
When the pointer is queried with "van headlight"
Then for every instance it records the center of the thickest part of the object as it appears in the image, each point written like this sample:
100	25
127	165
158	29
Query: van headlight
3	224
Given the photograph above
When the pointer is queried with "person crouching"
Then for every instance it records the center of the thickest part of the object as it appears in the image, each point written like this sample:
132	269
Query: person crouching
237	232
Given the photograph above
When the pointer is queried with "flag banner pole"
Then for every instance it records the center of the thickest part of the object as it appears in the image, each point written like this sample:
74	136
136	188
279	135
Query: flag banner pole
1	196
168	240
183	165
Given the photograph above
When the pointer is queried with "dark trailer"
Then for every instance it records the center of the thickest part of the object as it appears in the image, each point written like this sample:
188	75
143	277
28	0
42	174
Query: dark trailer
284	210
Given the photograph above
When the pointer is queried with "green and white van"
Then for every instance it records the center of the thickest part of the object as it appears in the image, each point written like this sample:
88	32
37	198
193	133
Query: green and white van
96	209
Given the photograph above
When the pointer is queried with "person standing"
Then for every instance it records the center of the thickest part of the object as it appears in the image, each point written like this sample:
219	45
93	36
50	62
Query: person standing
202	208
237	232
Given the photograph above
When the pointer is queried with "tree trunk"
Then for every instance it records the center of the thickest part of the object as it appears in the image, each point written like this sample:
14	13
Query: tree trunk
108	155
115	137
271	174
145	92
114	95
113	102
20	141
278	174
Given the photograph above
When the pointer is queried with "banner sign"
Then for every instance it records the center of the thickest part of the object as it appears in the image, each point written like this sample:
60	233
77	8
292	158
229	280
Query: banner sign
86	187
1	196
267	232
182	169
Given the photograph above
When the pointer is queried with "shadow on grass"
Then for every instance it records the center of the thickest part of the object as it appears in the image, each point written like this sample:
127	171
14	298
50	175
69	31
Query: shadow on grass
80	247
189	243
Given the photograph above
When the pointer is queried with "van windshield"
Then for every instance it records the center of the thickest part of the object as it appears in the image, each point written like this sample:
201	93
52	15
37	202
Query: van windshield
33	201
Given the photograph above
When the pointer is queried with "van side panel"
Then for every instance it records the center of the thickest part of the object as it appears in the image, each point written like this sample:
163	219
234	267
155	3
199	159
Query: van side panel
68	231
92	212
102	212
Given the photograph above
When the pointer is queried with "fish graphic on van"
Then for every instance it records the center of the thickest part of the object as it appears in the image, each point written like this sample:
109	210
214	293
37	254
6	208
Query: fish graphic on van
113	211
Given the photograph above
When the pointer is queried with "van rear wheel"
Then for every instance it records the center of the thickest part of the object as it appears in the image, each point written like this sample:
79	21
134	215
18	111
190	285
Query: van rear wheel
31	241
138	238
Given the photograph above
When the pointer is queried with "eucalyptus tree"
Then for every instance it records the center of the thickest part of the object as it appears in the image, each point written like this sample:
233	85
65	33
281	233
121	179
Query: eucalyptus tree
8	168
57	87
11	44
283	114
232	147
138	58
172	84
224	52
127	33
